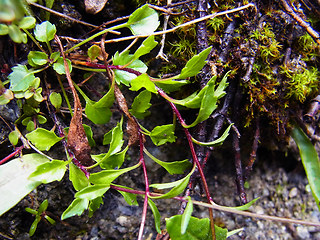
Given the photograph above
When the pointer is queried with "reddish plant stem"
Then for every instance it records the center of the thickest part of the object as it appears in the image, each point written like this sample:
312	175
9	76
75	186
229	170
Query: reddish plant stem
7	158
116	67
194	156
147	191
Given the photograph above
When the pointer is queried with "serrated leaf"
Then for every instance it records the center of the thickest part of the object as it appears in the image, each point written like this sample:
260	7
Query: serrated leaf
75	208
49	172
194	65
94	205
36	58
198	229
99	112
15	184
111	162
55	99
141	104
210	99
93	191
124	58
107	176
146	46
130	198
43	139
20	78
177	187
163	134
143	81
177	167
310	161
144	20
186	216
77	177
45	32
156	215
58	66
216	142
27	22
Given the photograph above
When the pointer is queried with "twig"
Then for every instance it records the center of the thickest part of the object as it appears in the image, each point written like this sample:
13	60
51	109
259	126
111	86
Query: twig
184	24
15	152
302	23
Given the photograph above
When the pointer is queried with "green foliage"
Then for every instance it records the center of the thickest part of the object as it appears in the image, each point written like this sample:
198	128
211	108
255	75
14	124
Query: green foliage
14	179
197	229
41	213
310	161
45	31
43	139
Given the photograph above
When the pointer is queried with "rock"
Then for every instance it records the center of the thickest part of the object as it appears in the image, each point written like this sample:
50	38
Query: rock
303	232
293	192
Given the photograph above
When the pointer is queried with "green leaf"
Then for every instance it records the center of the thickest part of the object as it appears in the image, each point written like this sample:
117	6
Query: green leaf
209	100
75	208
41	119
141	104
99	112
54	56
186	216
130	198
198	229
45	32
4	30
36	58
144	20
58	66
177	187
156	215
20	78
111	162
43	139
163	134
94	205
93	191
116	139
143	81
16	35
49	172
246	206
14	137
124	58
43	207
34	225
146	46
77	177
27	22
192	101
216	142
310	162
89	135
171	85
15	184
93	52
55	99
177	167
107	176
194	65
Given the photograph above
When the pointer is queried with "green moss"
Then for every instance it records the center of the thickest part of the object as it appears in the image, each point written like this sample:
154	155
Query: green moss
302	83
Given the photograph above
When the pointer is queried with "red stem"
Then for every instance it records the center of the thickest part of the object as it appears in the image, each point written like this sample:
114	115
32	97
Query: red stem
7	158
147	192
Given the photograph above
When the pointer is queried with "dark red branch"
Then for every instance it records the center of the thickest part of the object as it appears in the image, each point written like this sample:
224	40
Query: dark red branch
7	158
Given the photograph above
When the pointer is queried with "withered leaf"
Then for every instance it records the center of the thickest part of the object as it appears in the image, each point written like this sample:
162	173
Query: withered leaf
94	6
77	139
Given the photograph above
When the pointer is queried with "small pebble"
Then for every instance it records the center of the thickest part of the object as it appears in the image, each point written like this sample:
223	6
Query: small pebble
293	192
303	232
